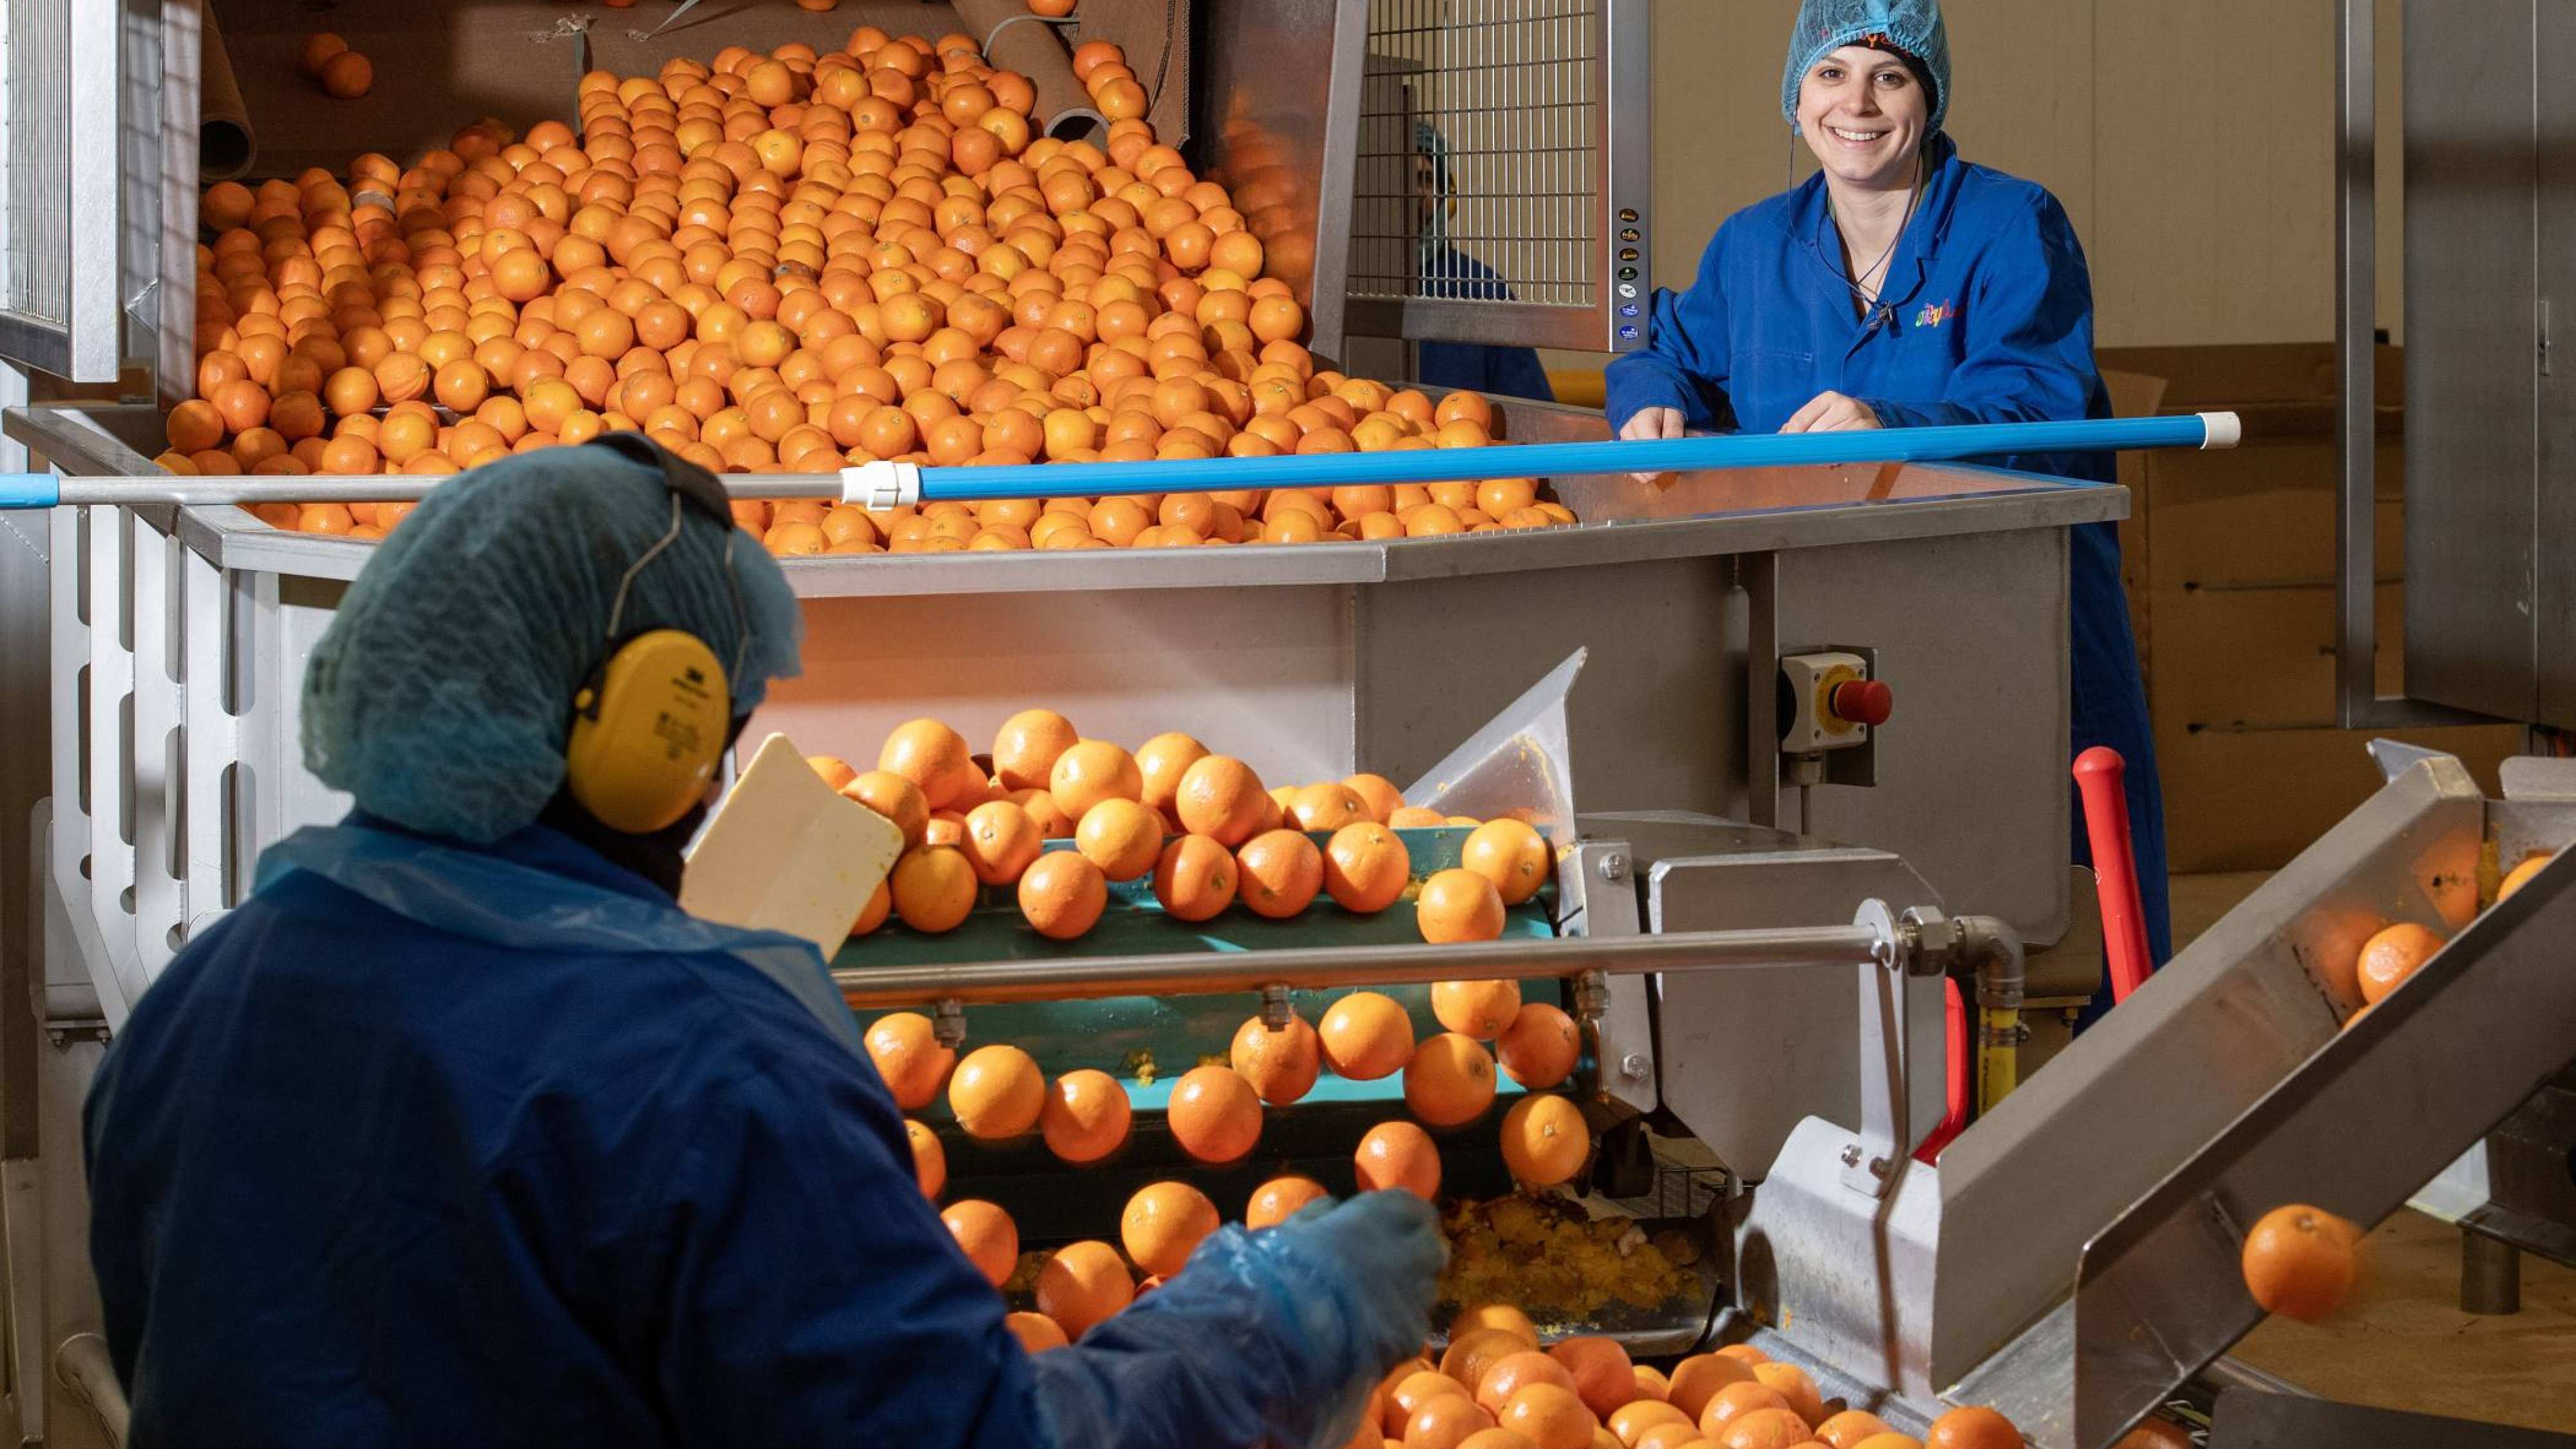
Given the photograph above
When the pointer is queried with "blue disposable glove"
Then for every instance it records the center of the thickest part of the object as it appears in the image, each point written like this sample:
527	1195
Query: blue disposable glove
1271	1337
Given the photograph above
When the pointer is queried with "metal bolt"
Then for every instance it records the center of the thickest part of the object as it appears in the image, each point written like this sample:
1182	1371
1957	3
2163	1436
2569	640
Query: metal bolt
1276	1012
1634	1066
1614	866
1878	1167
1851	1154
948	1022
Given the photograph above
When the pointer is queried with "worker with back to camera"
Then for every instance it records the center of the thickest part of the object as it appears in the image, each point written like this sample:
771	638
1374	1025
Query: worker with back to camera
459	1132
1449	273
1902	286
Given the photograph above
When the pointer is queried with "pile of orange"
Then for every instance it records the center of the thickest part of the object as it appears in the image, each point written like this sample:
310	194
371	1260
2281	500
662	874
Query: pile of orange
1495	1387
788	263
1200	826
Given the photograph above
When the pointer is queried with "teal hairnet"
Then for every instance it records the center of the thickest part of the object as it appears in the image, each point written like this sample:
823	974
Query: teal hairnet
1912	28
441	695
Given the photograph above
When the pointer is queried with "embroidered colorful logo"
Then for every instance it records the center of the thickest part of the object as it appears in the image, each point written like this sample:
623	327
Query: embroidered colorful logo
1934	316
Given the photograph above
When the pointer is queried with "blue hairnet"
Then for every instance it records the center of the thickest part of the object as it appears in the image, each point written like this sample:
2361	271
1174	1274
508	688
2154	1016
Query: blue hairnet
441	695
1912	27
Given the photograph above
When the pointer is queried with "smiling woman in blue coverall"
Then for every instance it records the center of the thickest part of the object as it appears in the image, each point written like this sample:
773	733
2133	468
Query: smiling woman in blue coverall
1904	287
459	1132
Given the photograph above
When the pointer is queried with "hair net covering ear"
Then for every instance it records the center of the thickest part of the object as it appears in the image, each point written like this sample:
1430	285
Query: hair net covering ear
1913	27
441	695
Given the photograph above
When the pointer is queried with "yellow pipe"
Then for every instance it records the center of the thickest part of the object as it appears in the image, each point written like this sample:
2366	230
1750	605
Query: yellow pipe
1998	1055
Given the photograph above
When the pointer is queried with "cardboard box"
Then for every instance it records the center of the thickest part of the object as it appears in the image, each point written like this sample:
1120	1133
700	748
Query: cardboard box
2230	561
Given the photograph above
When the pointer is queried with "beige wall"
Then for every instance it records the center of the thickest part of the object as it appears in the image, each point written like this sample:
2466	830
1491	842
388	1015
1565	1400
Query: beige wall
2190	140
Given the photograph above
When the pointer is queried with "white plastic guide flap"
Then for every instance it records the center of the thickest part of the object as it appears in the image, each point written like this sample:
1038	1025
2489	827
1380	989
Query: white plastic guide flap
786	853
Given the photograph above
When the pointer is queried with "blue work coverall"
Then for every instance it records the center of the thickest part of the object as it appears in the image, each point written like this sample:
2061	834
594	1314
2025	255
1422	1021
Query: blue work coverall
437	1145
1499	371
1987	317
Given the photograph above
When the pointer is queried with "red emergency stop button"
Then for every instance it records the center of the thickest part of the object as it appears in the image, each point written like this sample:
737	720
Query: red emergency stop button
1863	701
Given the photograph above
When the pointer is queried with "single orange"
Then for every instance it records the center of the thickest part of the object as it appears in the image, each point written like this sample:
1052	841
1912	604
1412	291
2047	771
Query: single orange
1545	1140
1736	1401
999	840
1471	1353
929	1159
1697	1379
2154	1434
1083	1284
930	755
1512	855
1602	1374
1215	1115
1764	1428
1160	764
934	888
1477	1009
1194	878
836	772
946	827
872	915
997	1092
1328	806
1450	1080
1443	1421
1496	1315
2300	1261
1086	1116
1221	798
1275	1201
1651	1385
1277	873
1549	1416
1025	752
1062	894
1366	867
1484	1438
1163	1224
1667	1436
990	1238
1398	1155
2516	878
1415	1386
1744	1353
1971	1427
1791	1382
1514	1372
909	1058
2393	955
1379	794
895	798
1847	1429
1280	1064
1122	837
1458	905
1365	1036
1540	1048
1092	771
1632	1420
1898	1441
1416	817
1036	1332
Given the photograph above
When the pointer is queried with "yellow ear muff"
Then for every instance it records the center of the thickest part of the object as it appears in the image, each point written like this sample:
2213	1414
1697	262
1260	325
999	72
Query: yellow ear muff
647	731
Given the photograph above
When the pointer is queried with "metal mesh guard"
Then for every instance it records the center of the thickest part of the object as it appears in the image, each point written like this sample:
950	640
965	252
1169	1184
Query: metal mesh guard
1512	88
38	281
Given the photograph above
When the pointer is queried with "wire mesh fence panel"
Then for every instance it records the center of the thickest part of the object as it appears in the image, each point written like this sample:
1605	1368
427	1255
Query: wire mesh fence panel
1480	152
37	283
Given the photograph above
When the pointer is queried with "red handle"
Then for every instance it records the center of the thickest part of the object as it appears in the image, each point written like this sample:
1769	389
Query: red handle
1863	701
2099	773
1957	1065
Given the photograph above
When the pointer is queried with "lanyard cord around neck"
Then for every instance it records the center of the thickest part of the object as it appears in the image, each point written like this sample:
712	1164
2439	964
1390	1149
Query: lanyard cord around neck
1867	295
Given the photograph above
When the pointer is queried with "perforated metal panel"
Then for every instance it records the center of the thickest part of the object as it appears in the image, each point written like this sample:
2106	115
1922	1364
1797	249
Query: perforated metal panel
61	136
1501	170
38	282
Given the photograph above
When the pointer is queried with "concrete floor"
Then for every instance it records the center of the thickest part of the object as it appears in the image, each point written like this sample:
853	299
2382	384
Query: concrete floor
2404	1343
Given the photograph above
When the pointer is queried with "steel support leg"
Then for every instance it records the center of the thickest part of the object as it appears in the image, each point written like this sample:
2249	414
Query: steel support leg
2490	1275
